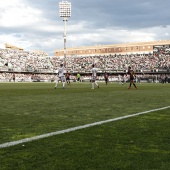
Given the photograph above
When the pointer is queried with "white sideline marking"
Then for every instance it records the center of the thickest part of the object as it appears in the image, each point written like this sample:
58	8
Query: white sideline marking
8	144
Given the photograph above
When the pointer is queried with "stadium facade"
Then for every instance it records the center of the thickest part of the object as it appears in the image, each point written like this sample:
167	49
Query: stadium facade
125	48
12	47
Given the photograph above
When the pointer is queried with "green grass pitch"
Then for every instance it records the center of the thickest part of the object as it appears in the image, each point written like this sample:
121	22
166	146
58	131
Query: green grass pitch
136	143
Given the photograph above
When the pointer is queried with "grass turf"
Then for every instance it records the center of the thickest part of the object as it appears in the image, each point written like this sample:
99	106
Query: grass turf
29	109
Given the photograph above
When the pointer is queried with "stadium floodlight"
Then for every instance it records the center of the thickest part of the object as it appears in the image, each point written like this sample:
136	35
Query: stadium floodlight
65	12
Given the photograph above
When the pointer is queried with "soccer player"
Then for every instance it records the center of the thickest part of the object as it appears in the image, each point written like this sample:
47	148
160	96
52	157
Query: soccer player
94	75
13	77
61	77
120	79
106	77
78	77
68	78
132	74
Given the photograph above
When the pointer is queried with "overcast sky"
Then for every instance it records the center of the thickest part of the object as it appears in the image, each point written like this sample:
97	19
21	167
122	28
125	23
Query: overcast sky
35	24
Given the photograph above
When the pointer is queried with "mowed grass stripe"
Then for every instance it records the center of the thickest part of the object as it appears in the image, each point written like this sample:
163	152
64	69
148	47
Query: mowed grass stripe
141	142
32	109
8	144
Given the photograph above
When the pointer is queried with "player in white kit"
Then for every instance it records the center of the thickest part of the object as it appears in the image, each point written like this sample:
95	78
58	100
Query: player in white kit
61	76
94	75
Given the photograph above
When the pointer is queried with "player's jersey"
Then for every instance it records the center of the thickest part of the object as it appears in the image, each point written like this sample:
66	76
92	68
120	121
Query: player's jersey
78	75
67	75
131	73
94	72
61	72
119	76
106	75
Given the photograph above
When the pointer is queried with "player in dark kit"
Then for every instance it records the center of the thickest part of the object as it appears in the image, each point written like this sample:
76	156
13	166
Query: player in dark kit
13	77
132	74
67	78
106	77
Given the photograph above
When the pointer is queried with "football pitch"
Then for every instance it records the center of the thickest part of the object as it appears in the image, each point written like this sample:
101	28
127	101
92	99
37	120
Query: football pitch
29	110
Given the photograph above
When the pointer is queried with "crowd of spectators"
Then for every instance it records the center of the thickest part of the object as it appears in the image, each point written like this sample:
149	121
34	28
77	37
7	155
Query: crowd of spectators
27	61
20	61
24	61
117	63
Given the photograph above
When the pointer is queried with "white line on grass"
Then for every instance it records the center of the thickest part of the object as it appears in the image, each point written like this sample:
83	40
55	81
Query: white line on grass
8	144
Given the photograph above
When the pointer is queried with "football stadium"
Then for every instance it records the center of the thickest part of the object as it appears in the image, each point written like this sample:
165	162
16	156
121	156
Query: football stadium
101	107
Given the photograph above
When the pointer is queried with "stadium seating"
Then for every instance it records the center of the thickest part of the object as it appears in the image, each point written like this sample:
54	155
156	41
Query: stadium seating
29	62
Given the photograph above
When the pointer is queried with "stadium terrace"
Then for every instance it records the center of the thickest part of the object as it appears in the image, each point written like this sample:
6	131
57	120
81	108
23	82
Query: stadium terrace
148	59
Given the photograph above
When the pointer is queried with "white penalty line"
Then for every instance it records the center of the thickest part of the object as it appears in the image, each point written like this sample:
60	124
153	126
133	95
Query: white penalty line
8	144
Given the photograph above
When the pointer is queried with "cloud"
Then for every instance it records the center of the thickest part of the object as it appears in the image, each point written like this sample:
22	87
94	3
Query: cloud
17	14
109	36
36	24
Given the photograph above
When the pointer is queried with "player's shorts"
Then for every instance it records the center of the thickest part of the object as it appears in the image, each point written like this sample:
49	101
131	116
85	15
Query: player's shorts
61	79
78	79
93	78
106	79
67	79
131	78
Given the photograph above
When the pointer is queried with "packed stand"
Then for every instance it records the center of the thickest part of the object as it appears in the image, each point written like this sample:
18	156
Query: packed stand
23	61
